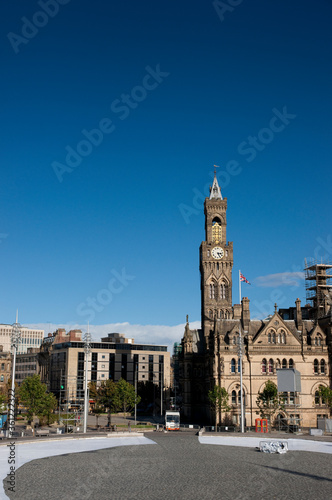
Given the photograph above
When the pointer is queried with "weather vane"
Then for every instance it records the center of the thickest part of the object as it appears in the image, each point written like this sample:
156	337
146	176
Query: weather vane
216	166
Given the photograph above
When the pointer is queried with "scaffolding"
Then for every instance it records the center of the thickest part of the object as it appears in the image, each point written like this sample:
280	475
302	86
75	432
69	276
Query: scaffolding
318	276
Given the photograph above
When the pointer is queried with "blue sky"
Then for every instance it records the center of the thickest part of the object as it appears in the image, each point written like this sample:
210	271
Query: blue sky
163	90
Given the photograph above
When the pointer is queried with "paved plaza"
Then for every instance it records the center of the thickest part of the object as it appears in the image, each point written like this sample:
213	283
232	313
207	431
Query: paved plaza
168	466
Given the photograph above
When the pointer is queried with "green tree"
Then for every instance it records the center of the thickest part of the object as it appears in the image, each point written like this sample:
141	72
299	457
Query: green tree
268	401
218	397
33	394
96	395
3	401
125	397
326	395
107	395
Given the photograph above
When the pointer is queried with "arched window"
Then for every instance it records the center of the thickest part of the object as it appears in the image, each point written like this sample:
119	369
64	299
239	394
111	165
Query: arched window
269	337
284	363
322	366
270	365
222	290
283	337
278	338
264	365
291	364
1	379
317	398
316	366
273	338
233	366
216	230
239	365
233	397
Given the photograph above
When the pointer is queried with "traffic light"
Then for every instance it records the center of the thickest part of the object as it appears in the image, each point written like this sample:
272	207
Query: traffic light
62	387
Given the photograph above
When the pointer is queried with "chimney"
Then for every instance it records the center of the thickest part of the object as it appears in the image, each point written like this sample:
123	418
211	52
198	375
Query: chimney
237	311
299	322
245	313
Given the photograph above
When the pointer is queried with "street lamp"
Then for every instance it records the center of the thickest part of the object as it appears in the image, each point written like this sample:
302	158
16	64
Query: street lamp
15	340
240	352
87	350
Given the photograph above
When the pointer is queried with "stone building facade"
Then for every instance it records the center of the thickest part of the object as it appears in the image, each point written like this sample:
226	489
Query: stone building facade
210	356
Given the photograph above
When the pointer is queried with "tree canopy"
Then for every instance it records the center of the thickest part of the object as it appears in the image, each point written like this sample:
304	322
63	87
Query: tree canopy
268	401
218	397
34	396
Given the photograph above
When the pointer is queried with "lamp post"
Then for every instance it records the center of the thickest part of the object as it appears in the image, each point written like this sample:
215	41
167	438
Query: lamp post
15	340
87	350
241	381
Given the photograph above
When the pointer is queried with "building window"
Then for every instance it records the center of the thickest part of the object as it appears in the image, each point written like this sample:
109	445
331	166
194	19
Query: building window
322	366
111	366
284	363
264	365
239	366
283	337
317	398
270	365
233	366
151	368
291	364
269	337
233	397
124	366
292	398
316	366
216	231
1	379
94	364
273	338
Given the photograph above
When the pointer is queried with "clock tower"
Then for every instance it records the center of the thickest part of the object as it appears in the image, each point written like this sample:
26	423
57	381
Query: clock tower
216	263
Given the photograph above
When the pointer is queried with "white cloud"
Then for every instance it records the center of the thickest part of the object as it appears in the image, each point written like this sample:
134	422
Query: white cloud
280	279
142	334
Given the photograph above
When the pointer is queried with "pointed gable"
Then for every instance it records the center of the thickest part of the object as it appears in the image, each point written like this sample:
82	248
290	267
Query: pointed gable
276	331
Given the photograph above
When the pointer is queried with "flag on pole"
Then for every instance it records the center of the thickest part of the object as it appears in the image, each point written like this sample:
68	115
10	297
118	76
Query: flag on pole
243	278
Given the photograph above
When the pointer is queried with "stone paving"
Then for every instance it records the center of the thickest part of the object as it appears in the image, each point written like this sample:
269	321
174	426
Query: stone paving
177	466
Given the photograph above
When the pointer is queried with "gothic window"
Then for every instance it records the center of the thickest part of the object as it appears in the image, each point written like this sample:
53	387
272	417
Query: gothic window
233	366
270	365
269	337
222	290
291	364
216	230
264	365
212	291
317	398
284	363
278	338
273	338
239	366
316	366
233	397
322	366
283	337
318	340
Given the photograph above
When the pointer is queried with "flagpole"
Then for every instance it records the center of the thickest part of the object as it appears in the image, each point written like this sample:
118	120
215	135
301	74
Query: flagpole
240	285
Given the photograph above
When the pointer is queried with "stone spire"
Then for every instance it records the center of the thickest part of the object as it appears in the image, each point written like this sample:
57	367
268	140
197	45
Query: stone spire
215	192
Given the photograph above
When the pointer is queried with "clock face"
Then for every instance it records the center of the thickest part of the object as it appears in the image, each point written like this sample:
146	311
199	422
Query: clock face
217	253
